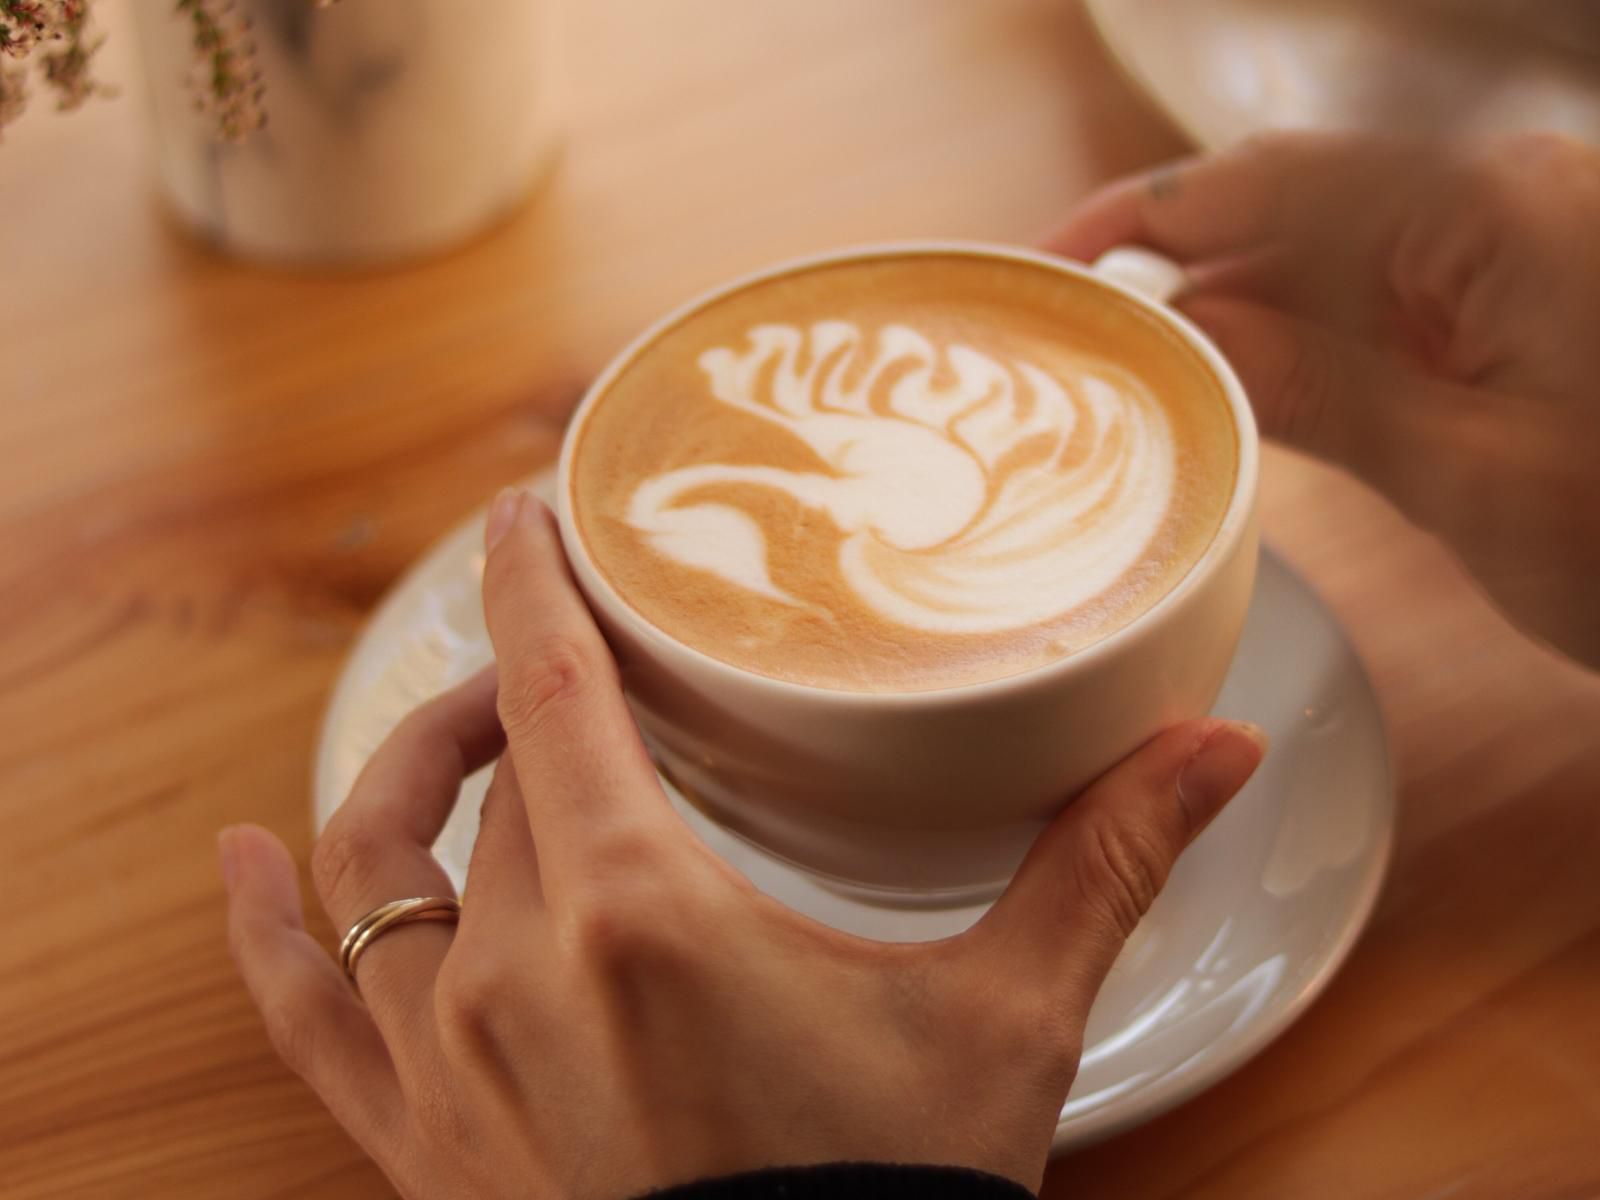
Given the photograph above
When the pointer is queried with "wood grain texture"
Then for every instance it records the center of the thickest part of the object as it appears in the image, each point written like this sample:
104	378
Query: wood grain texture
209	472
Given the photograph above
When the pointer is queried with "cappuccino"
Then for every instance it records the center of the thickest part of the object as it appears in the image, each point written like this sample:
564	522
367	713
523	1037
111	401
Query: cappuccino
905	472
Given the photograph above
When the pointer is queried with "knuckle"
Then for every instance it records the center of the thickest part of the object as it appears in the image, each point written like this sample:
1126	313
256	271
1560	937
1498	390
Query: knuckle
470	994
629	926
343	857
612	932
1120	872
1449	268
556	670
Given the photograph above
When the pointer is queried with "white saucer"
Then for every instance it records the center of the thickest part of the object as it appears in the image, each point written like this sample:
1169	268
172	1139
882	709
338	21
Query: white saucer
1252	925
1224	69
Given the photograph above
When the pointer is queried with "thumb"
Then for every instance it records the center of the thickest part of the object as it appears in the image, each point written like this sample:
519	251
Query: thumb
1094	872
1334	397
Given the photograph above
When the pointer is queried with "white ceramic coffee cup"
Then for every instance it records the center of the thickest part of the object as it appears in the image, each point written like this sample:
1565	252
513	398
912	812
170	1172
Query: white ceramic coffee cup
940	791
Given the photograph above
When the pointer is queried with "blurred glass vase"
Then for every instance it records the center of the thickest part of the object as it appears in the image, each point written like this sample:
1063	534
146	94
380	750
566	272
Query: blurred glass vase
357	132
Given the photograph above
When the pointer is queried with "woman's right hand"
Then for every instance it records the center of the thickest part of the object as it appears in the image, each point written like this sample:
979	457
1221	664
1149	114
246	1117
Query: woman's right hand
619	1010
1425	315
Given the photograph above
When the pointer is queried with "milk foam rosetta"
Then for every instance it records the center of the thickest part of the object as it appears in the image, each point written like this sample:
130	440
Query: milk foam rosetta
975	494
902	474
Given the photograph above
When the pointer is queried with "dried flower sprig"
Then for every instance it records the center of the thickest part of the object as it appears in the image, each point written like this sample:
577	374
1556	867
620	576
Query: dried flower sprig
59	31
227	80
66	67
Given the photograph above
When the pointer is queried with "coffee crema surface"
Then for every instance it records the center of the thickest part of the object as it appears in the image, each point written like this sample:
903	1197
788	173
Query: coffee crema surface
904	473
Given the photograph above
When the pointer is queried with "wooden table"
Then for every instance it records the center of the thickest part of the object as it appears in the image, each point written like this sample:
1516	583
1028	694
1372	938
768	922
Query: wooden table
209	473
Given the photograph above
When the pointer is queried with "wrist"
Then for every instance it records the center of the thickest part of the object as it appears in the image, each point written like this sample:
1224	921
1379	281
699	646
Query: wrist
845	1181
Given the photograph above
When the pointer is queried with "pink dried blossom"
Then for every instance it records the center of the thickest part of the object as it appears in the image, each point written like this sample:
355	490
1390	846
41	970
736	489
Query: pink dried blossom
25	23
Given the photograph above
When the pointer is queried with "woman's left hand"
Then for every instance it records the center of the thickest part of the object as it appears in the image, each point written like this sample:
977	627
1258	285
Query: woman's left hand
619	1010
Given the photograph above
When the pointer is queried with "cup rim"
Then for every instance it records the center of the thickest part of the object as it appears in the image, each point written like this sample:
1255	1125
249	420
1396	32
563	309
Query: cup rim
1234	526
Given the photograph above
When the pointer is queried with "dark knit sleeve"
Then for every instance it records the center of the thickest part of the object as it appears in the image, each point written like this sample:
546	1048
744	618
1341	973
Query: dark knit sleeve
852	1181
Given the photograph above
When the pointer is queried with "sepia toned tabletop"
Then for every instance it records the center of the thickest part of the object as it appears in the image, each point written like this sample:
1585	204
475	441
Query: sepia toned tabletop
210	472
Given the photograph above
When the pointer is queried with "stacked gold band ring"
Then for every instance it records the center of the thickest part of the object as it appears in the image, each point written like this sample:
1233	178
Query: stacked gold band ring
386	917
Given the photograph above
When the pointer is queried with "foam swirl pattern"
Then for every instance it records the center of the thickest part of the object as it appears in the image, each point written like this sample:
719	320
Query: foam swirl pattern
976	493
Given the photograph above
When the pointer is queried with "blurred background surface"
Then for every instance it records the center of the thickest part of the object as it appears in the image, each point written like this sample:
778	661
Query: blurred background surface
1224	69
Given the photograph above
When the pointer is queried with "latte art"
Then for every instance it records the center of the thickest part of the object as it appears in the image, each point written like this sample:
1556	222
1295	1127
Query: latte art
976	494
902	473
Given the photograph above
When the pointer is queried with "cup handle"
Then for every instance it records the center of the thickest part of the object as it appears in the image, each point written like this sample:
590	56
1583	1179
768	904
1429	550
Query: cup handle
1144	271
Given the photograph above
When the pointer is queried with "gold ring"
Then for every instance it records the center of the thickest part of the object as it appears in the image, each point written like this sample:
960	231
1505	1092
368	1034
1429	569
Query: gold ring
385	917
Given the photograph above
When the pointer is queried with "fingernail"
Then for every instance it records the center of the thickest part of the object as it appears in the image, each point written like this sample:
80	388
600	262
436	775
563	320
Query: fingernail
1220	765
502	515
228	857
